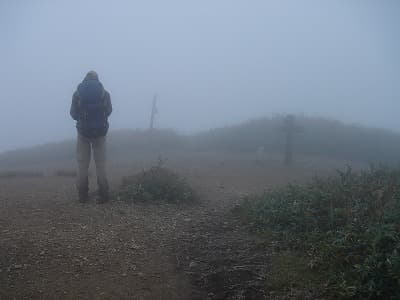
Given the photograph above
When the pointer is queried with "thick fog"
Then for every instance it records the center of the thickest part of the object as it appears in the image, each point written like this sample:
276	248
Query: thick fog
212	62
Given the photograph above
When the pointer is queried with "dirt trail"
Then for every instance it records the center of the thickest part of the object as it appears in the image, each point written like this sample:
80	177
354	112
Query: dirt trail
52	247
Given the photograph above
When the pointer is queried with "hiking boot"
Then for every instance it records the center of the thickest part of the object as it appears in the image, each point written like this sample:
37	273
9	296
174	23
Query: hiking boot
83	197
83	190
103	197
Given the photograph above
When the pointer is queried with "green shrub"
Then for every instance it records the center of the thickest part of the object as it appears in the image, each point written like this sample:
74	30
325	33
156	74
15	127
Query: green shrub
156	184
349	226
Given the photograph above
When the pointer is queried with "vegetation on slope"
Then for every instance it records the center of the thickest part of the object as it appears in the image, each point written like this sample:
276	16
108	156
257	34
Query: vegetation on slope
342	233
121	143
316	136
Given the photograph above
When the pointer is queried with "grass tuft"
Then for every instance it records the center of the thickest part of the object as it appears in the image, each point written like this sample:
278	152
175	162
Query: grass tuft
157	184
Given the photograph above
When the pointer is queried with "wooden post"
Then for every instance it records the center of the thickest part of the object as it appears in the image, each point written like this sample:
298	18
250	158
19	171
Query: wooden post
290	129
153	112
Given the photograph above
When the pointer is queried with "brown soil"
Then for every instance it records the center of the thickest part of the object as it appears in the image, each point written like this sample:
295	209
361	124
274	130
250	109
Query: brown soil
52	247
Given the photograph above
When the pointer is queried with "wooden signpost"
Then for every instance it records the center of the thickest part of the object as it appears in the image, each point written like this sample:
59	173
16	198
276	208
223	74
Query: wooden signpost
291	129
154	111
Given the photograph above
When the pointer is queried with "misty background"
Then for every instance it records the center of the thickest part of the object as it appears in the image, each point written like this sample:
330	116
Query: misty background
212	63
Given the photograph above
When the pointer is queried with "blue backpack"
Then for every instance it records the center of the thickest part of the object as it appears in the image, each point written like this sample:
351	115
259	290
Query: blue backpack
93	119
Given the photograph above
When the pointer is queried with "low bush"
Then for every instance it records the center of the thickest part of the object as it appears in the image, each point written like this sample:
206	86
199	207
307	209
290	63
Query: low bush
156	184
347	226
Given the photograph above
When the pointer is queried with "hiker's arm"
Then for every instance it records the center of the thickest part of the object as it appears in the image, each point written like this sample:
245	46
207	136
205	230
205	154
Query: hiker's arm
74	107
108	104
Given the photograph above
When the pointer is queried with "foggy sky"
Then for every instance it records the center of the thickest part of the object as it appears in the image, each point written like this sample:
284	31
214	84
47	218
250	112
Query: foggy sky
212	62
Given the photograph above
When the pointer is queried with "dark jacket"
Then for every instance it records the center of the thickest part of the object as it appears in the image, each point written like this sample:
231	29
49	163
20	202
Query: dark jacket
75	111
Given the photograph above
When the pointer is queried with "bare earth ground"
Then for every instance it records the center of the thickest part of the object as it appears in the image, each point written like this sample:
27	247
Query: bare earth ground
52	247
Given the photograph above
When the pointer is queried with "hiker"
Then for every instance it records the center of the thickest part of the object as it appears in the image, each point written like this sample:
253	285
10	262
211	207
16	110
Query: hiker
91	107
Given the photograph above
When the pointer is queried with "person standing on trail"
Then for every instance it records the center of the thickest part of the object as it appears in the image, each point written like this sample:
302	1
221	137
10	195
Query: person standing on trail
91	107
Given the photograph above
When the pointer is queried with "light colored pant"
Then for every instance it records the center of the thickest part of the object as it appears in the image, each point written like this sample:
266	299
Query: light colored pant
84	149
